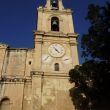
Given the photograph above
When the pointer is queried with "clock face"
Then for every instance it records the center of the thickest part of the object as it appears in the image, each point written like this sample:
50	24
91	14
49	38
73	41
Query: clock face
67	59
56	50
46	58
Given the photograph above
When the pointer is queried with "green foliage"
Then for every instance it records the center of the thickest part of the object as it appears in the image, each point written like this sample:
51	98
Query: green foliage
91	84
92	78
97	41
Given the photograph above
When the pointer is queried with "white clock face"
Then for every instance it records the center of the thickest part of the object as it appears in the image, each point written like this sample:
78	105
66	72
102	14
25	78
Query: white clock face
56	50
46	58
67	59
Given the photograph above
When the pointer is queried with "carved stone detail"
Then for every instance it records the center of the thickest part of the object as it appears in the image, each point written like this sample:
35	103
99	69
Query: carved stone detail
11	78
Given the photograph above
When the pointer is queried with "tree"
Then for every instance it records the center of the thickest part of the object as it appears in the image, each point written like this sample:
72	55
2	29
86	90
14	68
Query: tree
91	85
96	42
91	79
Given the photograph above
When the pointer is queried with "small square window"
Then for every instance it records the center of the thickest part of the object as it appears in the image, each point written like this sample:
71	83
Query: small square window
30	62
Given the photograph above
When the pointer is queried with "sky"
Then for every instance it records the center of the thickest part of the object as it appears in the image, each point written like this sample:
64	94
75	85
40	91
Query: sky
18	20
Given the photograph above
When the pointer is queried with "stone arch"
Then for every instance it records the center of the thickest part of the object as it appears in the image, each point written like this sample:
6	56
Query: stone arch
54	3
56	67
54	24
5	103
60	21
55	15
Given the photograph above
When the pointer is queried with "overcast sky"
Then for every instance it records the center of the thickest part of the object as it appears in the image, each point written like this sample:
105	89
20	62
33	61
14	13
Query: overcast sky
18	20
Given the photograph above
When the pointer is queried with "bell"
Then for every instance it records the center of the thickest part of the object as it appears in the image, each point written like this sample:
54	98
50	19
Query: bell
54	1
54	23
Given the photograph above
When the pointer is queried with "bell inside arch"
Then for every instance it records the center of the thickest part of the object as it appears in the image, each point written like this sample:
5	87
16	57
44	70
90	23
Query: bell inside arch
54	1
54	23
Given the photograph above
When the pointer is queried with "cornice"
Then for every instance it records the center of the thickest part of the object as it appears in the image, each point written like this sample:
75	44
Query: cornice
3	46
20	49
49	74
55	34
64	11
17	79
41	37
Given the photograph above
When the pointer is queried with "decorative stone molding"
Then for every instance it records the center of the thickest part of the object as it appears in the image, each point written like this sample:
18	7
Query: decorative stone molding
73	35
3	46
64	11
11	78
48	74
55	15
37	73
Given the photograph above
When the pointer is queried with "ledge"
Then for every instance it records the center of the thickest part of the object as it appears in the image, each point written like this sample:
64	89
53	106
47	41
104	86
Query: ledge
49	74
3	46
17	79
56	34
44	9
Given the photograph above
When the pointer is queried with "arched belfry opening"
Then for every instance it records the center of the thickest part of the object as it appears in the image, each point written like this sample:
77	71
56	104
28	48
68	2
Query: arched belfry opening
54	4
56	67
5	104
54	24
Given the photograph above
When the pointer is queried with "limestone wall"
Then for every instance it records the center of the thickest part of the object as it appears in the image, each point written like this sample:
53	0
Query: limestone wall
56	94
15	71
51	92
14	92
16	62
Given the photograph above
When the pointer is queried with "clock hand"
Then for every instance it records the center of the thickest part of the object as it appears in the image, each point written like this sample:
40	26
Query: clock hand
56	49
46	58
66	59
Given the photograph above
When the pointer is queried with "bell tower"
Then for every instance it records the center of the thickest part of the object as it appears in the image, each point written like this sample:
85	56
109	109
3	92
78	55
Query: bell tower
55	53
55	26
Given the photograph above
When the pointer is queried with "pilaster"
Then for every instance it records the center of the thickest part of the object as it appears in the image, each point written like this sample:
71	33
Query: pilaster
3	48
73	47
38	39
48	4
36	90
61	7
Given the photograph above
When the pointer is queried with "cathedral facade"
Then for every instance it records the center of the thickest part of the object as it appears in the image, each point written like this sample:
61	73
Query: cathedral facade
37	79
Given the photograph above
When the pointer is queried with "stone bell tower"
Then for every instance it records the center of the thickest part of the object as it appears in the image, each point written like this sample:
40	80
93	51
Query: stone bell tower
54	55
55	26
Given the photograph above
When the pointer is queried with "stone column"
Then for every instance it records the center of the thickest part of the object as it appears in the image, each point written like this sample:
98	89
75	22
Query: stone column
3	48
48	4
27	98
36	90
40	19
74	52
37	51
61	7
